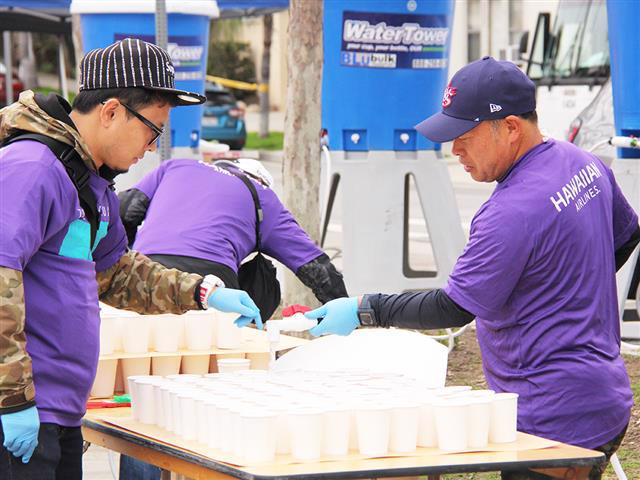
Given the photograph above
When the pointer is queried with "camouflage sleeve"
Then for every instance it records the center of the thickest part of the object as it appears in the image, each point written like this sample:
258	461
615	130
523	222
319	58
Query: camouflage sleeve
16	378
137	283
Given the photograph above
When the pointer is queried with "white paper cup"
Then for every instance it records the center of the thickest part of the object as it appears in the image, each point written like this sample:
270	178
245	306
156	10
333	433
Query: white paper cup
108	333
132	367
145	399
504	418
166	409
103	384
427	433
478	421
451	424
212	422
373	425
159	403
228	336
227	365
403	436
135	334
132	389
337	423
195	364
188	415
164	366
199	331
257	431
165	332
305	428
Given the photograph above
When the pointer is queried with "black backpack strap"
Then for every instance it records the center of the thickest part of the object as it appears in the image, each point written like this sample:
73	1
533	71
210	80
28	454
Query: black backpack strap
256	201
76	169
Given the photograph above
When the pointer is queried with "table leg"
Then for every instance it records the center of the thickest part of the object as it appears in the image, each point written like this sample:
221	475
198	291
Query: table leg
165	474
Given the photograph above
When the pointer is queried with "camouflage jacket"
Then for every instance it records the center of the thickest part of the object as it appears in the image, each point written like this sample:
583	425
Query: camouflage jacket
133	283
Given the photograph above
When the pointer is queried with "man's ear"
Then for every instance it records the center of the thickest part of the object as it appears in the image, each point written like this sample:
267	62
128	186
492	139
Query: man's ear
108	111
514	126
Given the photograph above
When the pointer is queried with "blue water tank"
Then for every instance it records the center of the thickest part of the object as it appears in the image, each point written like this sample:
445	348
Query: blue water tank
104	23
385	68
624	44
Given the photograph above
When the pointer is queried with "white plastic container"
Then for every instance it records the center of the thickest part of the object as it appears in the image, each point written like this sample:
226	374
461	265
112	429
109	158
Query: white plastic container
337	423
132	367
104	383
427	432
504	418
135	334
373	426
257	432
403	436
478	421
451	424
305	428
227	365
228	336
165	331
164	366
199	330
108	333
195	364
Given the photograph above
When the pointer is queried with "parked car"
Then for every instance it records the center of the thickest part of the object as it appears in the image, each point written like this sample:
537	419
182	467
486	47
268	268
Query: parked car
223	117
17	86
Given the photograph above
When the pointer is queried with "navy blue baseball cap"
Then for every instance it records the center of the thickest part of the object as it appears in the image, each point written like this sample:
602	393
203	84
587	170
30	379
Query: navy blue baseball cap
486	89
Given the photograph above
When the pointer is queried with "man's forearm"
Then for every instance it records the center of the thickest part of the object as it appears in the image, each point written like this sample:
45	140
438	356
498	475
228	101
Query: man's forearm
418	310
137	283
16	388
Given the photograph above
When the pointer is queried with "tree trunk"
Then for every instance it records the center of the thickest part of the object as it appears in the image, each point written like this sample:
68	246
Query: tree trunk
267	32
76	34
301	168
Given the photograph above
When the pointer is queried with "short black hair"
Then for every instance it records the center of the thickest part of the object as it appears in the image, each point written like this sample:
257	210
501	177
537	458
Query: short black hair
134	98
531	116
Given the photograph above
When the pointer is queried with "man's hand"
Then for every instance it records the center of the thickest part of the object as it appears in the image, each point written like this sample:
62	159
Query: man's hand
20	431
238	301
340	317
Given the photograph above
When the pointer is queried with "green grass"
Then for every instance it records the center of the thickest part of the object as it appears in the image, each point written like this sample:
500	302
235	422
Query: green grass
273	142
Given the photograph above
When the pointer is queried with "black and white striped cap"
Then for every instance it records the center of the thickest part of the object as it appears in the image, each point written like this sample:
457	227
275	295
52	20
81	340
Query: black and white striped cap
132	63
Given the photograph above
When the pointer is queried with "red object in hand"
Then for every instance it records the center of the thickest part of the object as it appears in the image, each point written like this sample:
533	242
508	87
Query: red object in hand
291	310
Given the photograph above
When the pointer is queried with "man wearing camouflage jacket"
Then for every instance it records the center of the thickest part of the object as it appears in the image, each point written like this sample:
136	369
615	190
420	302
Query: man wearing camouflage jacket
52	275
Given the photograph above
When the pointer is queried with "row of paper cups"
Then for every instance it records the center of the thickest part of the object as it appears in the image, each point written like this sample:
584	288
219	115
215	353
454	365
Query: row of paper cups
257	419
104	384
195	330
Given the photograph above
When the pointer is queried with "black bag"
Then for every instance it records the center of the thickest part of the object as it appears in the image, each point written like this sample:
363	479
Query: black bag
257	277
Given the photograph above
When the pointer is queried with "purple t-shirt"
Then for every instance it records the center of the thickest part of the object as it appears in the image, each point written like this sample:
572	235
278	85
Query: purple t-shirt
201	210
539	274
43	234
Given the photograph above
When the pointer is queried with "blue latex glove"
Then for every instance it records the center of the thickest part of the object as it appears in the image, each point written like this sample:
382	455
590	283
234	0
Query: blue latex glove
238	301
20	431
340	317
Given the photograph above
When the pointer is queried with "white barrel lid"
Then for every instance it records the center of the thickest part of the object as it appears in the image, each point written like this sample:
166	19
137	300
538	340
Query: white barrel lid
207	8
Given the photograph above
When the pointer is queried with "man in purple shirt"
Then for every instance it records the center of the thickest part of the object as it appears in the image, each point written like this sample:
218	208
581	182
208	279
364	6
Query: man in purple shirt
63	247
199	217
538	272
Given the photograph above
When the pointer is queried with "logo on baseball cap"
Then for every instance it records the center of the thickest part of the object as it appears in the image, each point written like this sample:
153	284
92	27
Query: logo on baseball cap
486	89
132	63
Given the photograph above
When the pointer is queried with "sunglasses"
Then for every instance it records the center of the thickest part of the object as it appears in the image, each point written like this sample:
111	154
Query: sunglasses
157	131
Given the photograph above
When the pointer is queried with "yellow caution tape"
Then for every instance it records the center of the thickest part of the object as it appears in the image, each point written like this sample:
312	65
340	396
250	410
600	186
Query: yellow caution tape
237	84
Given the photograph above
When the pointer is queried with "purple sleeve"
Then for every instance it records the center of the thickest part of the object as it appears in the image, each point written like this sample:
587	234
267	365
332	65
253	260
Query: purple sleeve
625	220
493	260
114	244
282	237
32	202
151	180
